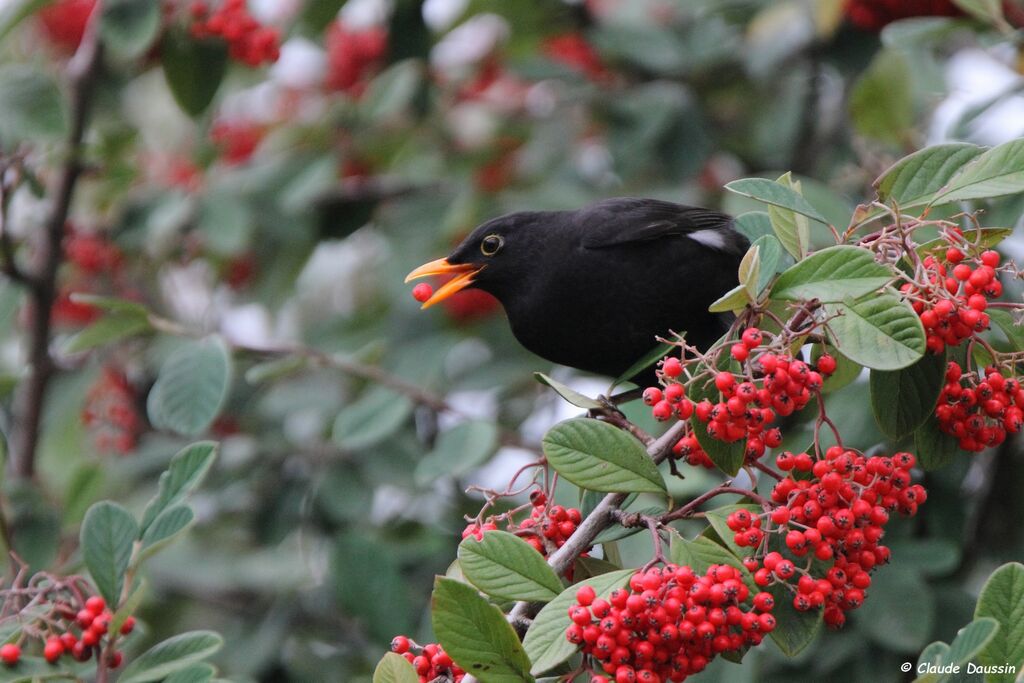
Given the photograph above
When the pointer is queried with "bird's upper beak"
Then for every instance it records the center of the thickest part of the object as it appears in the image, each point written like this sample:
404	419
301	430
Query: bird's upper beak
463	277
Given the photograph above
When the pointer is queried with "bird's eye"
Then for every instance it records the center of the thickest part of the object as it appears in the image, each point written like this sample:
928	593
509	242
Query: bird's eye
491	244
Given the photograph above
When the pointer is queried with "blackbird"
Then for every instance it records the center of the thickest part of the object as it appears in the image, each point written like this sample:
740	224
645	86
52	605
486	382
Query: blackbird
593	288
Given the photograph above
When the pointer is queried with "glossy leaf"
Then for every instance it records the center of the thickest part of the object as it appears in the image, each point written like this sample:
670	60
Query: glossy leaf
600	457
733	300
933	449
506	567
194	69
476	635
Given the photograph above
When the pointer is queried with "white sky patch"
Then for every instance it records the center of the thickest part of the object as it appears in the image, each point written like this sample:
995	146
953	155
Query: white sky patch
975	77
439	15
303	64
469	42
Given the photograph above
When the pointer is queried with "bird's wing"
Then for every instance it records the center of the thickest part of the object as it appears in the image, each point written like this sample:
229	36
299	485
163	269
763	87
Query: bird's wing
622	221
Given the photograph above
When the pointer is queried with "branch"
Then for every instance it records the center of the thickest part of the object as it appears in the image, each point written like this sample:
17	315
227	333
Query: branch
82	70
597	521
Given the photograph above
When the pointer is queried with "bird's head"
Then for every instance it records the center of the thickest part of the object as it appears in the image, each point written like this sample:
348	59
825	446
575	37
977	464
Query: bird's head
492	258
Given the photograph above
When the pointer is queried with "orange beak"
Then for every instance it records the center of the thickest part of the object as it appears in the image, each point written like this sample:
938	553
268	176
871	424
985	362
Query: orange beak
463	273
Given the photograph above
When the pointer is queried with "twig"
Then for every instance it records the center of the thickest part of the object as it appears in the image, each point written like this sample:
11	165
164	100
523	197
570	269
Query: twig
82	70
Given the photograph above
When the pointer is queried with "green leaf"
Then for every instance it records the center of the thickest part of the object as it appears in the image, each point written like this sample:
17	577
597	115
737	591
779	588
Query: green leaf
129	27
753	225
935	653
191	388
970	640
1014	332
833	274
794	630
997	172
791	227
476	635
171	655
733	300
31	107
111	304
648	359
881	101
775	194
932	448
1002	598
107	330
14	12
903	399
194	69
568	393
458	450
393	91
375	416
107	538
990	11
900	612
700	553
394	668
506	567
185	472
774	260
165	527
600	457
750	271
545	641
880	332
914	179
33	669
200	672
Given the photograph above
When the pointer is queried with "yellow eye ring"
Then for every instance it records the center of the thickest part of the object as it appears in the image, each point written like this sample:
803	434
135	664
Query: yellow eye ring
492	244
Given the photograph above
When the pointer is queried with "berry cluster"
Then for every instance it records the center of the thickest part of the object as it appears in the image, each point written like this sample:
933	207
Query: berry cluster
431	662
352	56
573	51
546	527
873	15
774	385
111	412
669	623
93	623
236	140
64	22
839	515
92	253
979	410
94	264
952	306
689	450
248	41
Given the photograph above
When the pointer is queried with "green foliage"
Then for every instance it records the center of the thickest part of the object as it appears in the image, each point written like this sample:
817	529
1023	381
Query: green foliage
507	568
600	457
108	536
1002	599
191	387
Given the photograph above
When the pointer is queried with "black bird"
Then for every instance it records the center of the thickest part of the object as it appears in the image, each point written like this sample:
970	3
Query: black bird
593	288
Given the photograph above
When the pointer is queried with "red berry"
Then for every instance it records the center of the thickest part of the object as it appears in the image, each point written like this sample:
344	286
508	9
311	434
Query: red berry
672	367
422	292
10	653
129	624
53	649
96	605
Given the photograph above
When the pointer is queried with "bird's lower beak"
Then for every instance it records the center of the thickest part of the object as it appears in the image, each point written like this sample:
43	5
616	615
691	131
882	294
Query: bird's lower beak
463	277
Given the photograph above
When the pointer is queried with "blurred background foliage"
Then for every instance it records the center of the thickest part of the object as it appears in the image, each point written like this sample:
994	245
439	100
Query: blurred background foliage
289	210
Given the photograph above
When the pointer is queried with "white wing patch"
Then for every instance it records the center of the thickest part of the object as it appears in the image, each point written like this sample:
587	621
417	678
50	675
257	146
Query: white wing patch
709	238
